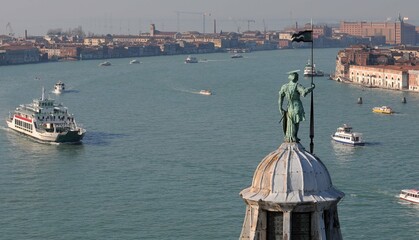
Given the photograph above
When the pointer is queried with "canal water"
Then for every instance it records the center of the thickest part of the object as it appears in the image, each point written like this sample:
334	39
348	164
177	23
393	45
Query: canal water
160	161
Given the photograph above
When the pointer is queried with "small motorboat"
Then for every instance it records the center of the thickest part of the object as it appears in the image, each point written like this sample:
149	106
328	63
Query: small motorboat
345	135
205	92
59	87
135	61
411	195
191	59
236	56
383	109
105	64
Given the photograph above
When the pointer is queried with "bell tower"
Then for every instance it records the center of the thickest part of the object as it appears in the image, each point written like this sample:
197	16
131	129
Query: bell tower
291	197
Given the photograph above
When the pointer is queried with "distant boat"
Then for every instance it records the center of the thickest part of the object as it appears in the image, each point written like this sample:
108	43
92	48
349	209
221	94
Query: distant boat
59	87
191	59
205	92
105	63
310	70
236	56
134	61
383	109
411	195
345	135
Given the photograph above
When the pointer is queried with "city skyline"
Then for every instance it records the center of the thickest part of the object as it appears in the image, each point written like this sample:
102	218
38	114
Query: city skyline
135	16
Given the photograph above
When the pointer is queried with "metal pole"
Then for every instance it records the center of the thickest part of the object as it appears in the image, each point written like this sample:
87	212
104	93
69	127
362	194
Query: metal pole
312	104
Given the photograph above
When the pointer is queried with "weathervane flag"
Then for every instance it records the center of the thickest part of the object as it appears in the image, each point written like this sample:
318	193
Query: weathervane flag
303	36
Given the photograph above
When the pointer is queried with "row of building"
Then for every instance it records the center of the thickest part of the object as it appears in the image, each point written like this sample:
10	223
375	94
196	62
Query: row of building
394	68
31	49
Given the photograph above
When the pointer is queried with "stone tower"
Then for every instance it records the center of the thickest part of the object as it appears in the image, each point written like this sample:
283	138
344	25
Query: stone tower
152	30
291	197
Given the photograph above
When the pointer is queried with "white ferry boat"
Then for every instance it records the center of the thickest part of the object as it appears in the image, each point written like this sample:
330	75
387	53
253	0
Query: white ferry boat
345	135
205	92
191	59
411	195
59	87
45	120
310	69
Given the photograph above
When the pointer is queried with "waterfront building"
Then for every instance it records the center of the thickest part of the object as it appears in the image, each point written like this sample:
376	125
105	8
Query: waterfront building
169	48
414	80
382	68
52	53
19	54
357	55
130	39
397	32
95	41
390	77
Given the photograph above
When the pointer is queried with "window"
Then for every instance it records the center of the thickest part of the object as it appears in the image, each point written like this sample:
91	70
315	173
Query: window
301	226
274	229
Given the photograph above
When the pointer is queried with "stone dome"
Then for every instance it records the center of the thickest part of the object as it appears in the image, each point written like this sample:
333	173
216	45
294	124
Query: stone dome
290	174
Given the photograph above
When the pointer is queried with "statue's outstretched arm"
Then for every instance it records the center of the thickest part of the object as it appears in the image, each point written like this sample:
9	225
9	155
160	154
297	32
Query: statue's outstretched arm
304	91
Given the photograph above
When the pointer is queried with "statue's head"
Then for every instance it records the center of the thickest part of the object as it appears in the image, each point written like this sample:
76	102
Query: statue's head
293	76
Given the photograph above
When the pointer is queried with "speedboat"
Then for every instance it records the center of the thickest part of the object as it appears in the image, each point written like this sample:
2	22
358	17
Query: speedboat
383	109
134	61
411	195
205	92
345	135
45	120
59	87
191	59
236	56
310	70
105	63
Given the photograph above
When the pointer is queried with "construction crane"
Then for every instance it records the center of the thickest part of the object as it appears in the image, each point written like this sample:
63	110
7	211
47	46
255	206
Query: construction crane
199	13
248	23
242	20
9	29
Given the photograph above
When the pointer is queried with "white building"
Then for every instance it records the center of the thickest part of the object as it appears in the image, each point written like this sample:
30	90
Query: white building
391	77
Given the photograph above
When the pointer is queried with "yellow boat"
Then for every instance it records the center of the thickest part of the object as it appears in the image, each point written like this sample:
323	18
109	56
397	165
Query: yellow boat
383	109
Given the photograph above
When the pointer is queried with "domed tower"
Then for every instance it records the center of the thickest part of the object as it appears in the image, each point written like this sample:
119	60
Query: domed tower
291	197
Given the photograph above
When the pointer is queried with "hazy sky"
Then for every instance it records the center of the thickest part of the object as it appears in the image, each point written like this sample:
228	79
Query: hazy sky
134	16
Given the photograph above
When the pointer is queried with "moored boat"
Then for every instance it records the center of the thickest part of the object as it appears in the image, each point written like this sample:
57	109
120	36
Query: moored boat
383	109
411	195
205	92
310	70
345	135
191	59
45	120
59	87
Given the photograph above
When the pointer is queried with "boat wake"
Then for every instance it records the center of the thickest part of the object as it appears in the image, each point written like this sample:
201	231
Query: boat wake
215	60
193	91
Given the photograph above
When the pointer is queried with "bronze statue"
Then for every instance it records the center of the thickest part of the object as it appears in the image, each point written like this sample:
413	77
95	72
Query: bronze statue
294	114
